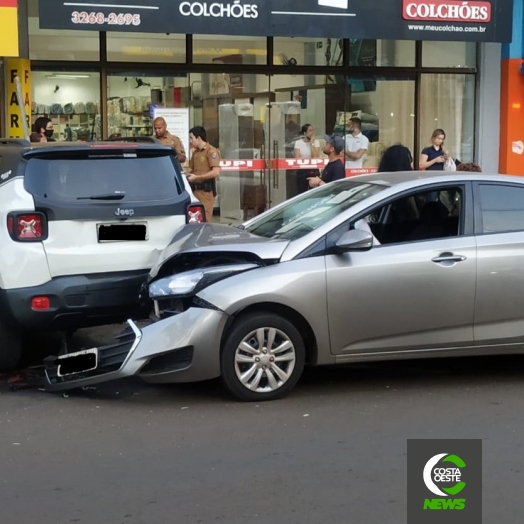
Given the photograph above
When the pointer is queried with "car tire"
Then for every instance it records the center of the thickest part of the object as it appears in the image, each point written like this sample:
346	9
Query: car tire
10	348
256	374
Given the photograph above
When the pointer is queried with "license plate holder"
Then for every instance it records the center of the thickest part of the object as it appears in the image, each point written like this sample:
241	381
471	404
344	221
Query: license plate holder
78	362
135	232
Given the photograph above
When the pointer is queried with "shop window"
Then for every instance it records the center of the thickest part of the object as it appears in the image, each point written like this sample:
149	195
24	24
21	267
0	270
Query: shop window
449	54
131	97
447	102
387	111
71	99
212	49
146	47
381	53
386	107
308	51
49	44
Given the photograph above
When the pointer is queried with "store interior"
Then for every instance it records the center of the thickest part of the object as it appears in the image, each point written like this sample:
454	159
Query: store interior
252	115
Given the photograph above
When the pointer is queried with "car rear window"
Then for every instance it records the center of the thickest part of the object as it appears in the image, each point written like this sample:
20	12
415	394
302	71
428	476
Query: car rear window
124	177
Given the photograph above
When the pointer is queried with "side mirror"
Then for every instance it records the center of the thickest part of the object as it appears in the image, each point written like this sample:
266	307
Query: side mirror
355	240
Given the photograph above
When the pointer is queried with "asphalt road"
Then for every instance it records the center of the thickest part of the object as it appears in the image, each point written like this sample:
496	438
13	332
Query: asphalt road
333	452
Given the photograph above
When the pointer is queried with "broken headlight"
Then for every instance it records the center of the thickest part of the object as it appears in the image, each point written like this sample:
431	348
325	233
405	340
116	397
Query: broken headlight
191	282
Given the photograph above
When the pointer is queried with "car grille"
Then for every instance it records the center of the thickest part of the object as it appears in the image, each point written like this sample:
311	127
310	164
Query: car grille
110	358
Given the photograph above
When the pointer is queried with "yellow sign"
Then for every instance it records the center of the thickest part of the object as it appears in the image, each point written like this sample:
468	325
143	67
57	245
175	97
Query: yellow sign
9	28
20	67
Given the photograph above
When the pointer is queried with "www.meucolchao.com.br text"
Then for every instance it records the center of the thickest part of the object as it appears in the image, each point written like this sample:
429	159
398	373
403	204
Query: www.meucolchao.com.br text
446	28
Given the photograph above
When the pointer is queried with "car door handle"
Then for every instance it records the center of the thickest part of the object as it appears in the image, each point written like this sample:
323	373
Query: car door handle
448	257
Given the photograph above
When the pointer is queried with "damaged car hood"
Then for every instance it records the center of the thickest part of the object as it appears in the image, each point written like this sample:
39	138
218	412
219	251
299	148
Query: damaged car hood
209	240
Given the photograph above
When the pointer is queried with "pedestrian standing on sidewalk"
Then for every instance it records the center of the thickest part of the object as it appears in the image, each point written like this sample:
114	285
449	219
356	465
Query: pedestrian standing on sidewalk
306	147
43	130
396	158
435	155
334	170
204	169
357	144
469	167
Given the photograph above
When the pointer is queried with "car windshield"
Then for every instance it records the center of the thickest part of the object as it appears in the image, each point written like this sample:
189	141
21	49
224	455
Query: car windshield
313	209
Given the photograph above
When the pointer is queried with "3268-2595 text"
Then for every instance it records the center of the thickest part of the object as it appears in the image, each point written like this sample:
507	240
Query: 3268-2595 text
82	17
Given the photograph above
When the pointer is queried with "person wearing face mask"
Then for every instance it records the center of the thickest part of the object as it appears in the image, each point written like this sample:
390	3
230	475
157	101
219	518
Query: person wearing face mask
306	147
43	130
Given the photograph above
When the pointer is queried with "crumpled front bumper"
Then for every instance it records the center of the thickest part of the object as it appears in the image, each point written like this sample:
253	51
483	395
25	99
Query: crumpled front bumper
181	348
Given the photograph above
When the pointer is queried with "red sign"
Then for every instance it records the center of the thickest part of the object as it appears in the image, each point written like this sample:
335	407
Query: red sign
286	164
447	11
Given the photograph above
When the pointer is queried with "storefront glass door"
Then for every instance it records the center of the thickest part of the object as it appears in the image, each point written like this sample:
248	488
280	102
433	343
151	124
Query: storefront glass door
257	123
232	108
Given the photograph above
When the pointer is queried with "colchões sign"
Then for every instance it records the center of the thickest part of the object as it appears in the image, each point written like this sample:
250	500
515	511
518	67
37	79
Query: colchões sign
476	20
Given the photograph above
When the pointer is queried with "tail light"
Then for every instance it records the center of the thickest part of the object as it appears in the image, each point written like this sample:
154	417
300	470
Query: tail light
27	227
196	214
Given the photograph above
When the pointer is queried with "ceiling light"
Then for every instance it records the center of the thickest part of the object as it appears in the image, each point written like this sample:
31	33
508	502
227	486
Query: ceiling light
73	77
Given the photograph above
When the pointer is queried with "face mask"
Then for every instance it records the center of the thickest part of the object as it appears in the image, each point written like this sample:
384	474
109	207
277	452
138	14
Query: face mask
49	133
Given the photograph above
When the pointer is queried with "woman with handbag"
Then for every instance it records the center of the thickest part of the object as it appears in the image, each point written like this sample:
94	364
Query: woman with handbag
435	157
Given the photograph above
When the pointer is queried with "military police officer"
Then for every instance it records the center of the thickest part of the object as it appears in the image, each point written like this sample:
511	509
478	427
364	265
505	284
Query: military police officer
204	169
167	139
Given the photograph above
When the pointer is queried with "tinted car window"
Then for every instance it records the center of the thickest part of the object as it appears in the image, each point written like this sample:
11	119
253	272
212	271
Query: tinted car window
420	216
502	208
76	179
312	210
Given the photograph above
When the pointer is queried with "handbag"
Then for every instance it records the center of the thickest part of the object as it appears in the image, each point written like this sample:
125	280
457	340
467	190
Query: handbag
449	165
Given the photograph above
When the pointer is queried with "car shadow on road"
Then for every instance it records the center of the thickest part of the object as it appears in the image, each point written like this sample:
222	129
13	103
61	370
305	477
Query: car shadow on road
333	381
329	381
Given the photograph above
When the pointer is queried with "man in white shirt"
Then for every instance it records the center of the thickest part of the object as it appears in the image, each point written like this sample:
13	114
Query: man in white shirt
356	145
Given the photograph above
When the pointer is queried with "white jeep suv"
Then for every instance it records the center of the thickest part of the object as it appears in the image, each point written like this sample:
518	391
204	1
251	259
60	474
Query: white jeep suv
81	224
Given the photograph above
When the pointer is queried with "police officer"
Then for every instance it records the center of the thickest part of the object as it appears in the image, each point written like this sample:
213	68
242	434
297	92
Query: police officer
204	168
167	139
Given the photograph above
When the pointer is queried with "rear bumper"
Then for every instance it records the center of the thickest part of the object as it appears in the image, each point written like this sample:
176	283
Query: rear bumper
77	301
182	348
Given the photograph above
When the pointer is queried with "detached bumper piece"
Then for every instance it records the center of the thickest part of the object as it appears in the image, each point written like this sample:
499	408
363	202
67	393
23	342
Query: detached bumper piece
94	365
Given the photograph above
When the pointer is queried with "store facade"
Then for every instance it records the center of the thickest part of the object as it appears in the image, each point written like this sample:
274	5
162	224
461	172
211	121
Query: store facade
512	98
101	71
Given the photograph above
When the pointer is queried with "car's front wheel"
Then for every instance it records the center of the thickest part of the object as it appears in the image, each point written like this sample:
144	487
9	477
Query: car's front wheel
262	358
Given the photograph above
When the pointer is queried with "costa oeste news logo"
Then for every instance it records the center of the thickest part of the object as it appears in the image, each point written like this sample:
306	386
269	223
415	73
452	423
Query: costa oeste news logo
445	488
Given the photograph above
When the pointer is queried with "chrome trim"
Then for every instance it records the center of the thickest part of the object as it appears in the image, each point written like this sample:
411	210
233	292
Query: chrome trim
138	339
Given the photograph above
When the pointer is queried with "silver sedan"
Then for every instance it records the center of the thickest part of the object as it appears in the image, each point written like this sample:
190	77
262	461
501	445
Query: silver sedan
375	267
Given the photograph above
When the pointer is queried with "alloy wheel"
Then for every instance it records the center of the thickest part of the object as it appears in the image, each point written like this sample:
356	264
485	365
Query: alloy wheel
265	360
